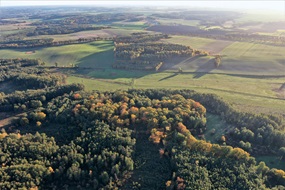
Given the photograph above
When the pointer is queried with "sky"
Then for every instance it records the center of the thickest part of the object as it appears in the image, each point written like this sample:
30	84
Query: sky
278	6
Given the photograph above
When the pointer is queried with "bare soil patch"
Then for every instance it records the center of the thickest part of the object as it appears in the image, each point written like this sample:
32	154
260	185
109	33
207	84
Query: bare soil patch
30	52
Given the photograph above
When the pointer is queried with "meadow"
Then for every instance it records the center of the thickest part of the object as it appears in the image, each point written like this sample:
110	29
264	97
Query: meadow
237	57
94	54
250	75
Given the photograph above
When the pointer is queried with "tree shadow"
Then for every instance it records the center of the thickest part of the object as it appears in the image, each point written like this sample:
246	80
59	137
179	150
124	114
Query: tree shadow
168	77
99	60
204	69
175	61
99	65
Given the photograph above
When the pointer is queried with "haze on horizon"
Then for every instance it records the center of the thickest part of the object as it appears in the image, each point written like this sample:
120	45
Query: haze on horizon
275	6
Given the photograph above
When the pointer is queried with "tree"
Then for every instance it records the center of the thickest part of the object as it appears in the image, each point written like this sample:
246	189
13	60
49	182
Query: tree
24	121
104	177
223	138
217	61
35	103
282	152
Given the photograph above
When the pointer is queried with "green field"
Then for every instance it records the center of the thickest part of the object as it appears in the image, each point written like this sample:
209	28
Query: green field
94	54
139	25
250	75
74	36
178	21
215	123
238	57
194	42
242	91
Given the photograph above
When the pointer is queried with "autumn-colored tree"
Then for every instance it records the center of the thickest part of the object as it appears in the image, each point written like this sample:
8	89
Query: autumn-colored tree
38	123
77	96
133	118
223	138
40	116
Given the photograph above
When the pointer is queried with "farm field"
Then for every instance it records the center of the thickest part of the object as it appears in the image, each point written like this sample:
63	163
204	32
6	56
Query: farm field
236	79
105	33
194	42
139	25
178	21
94	54
241	91
237	57
74	36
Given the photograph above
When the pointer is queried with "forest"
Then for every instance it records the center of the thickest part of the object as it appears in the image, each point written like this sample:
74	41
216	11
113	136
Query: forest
143	52
66	137
46	42
62	29
141	98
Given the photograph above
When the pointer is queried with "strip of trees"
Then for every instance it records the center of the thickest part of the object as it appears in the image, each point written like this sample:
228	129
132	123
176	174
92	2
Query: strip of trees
46	42
63	29
140	52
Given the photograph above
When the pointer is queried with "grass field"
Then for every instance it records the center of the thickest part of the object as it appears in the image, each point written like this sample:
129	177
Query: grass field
248	93
248	76
214	122
139	25
194	42
105	33
74	36
94	54
238	57
178	21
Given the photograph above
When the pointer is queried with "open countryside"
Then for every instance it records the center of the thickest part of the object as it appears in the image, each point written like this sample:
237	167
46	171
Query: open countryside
141	98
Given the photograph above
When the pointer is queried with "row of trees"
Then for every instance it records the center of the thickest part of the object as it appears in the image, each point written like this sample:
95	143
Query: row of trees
140	37
63	29
80	19
46	42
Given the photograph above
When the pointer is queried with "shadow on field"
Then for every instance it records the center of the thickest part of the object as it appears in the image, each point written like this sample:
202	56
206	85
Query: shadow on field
99	65
204	69
99	60
168	77
281	61
254	76
102	45
170	64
